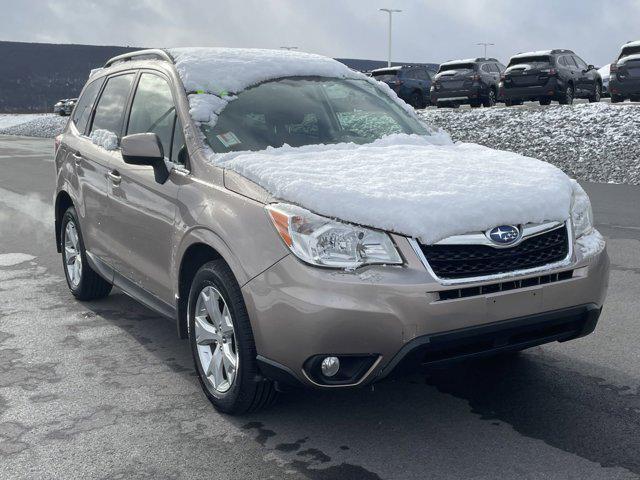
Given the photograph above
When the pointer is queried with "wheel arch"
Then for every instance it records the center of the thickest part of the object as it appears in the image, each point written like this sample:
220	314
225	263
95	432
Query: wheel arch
201	247
62	203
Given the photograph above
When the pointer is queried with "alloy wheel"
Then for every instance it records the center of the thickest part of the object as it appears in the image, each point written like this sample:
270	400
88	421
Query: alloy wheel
215	339
72	256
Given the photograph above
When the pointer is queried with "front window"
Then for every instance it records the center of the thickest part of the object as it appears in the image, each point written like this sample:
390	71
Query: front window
536	61
308	111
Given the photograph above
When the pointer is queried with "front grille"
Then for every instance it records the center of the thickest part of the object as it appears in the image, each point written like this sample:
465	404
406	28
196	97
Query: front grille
504	286
465	261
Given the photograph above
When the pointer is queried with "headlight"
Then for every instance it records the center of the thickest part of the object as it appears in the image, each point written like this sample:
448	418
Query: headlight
329	243
581	213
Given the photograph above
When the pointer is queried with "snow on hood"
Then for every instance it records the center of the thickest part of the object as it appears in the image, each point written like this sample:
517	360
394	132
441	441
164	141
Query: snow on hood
423	187
211	76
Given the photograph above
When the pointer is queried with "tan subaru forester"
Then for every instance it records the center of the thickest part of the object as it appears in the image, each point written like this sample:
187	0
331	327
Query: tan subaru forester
303	226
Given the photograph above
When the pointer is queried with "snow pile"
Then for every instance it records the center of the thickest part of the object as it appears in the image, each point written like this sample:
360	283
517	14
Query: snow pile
105	139
41	125
424	187
595	142
12	119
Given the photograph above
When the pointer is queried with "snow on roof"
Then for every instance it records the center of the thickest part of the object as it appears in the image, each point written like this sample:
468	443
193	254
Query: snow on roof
454	62
383	184
629	58
533	54
631	44
231	70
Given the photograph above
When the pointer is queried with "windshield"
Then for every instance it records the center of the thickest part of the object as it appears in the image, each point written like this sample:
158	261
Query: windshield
534	61
308	111
629	51
456	66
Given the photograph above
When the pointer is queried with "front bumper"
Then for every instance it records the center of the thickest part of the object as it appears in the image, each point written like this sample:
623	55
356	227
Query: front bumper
552	89
391	313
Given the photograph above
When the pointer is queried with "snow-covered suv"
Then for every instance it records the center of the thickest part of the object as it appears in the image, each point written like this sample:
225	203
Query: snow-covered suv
624	74
549	75
301	224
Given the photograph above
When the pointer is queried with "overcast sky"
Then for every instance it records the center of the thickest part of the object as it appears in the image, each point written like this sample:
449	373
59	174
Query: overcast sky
426	31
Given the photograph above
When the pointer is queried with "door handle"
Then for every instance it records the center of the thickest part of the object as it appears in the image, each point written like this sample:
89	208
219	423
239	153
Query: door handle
115	177
77	158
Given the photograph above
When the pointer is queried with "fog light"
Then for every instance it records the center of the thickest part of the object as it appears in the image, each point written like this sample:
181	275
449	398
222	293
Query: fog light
330	366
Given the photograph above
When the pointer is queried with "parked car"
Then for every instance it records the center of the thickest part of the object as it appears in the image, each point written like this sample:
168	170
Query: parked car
604	75
473	81
549	75
65	106
412	83
302	225
624	82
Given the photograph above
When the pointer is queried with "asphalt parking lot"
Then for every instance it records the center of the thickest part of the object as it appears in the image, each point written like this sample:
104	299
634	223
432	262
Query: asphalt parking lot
106	390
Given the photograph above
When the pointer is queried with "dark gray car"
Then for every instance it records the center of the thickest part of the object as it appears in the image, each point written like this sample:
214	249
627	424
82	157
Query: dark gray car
473	81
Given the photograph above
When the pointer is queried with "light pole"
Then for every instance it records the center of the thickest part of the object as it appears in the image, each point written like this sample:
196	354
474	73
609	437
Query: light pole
390	11
485	45
289	48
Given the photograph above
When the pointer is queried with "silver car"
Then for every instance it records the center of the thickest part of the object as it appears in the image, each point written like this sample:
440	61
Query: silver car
271	292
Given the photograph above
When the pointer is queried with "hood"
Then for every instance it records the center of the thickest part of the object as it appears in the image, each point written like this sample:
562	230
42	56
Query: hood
423	187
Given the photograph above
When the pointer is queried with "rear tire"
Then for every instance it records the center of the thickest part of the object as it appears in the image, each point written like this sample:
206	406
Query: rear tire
567	97
232	388
416	100
616	99
83	281
545	101
597	94
490	101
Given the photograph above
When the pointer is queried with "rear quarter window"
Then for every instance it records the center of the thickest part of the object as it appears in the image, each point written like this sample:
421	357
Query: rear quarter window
110	107
85	104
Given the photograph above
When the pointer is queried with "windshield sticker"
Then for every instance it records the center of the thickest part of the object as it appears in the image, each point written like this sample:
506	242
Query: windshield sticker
228	139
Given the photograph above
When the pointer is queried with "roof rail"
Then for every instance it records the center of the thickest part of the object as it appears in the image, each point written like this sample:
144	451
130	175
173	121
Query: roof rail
151	53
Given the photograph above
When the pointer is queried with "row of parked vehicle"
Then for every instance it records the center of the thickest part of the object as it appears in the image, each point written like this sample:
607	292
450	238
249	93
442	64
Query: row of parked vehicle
544	76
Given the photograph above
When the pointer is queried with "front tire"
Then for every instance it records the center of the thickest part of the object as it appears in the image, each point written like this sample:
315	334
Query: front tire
83	281
597	94
545	101
616	99
490	101
222	343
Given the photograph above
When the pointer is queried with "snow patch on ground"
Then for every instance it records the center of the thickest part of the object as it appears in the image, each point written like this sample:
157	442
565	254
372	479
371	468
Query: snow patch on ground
418	186
12	259
105	139
595	142
32	125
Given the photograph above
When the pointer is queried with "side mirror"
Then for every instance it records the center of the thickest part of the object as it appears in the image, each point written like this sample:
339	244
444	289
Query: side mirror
145	149
591	67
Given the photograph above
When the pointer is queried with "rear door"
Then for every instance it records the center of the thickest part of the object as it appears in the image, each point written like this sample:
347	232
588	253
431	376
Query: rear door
92	159
142	211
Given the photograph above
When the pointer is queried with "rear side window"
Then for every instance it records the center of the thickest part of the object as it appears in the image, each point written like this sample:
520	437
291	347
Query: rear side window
83	109
111	105
153	111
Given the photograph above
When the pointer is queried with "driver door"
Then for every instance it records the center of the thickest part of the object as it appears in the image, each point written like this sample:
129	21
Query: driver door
143	210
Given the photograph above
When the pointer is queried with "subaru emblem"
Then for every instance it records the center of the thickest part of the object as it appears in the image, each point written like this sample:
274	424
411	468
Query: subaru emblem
504	235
